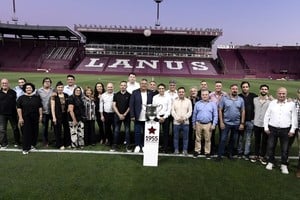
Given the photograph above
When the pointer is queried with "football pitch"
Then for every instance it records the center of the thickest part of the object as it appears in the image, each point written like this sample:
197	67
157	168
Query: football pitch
104	175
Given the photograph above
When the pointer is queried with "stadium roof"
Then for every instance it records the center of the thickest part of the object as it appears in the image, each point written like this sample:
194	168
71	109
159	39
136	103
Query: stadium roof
36	31
165	36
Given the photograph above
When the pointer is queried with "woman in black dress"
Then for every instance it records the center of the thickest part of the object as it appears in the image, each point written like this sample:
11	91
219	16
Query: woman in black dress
29	108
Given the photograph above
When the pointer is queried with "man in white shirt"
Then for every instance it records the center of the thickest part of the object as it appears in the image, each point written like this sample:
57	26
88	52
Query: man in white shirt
280	121
172	90
138	100
297	104
69	88
164	111
18	88
132	84
107	112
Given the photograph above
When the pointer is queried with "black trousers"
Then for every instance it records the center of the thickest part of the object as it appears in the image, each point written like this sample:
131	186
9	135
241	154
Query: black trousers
108	126
64	124
30	130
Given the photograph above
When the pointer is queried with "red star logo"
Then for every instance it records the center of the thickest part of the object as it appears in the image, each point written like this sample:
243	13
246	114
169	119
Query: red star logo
151	130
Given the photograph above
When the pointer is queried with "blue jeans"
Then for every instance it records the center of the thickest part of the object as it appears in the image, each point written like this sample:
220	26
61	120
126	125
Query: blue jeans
118	124
233	138
245	135
282	134
139	127
184	128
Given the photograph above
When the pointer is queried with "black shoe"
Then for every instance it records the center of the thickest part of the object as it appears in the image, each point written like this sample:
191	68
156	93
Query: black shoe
254	159
246	157
263	161
207	156
218	159
230	157
196	154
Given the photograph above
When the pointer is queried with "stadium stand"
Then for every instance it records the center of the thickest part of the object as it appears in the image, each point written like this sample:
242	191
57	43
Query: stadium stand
144	50
31	48
167	51
261	62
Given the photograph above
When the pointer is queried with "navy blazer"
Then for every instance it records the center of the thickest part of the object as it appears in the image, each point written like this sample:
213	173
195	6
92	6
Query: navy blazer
135	103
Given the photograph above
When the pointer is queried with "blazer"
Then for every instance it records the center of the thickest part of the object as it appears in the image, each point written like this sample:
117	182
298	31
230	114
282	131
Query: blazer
135	104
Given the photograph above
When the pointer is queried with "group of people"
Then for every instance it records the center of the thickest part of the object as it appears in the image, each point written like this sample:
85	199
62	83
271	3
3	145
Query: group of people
73	112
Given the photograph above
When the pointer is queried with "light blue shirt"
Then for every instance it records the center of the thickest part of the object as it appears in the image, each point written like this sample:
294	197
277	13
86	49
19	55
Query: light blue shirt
19	91
232	108
205	112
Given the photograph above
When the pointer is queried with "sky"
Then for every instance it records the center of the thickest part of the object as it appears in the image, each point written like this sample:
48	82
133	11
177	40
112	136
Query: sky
254	22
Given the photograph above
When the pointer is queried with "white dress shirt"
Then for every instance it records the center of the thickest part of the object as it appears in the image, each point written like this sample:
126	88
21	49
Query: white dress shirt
173	95
131	87
281	115
106	101
165	103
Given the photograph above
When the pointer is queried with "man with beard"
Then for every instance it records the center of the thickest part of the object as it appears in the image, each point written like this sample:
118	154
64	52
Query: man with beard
121	107
249	116
232	118
261	103
181	112
45	93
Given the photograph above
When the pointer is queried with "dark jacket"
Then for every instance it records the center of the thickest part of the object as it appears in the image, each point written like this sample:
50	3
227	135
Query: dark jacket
58	110
135	104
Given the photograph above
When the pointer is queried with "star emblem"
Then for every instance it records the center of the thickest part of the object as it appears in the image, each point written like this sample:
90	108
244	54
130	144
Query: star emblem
151	130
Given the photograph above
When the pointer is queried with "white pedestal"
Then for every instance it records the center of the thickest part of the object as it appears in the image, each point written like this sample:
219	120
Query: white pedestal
151	144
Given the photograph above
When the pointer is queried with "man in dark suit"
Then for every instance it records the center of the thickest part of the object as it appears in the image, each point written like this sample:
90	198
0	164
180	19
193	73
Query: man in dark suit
138	100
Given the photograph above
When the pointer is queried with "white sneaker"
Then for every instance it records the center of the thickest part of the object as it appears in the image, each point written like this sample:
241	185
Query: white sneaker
24	152
176	152
32	148
184	152
284	169
62	148
137	149
269	166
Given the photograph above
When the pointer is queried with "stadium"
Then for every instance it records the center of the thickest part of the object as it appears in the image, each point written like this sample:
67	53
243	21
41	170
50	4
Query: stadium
110	53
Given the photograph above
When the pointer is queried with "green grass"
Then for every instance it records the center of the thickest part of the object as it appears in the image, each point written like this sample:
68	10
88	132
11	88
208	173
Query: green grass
90	176
90	80
93	176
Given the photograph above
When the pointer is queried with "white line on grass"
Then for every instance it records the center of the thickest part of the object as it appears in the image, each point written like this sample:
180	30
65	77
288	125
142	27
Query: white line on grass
110	153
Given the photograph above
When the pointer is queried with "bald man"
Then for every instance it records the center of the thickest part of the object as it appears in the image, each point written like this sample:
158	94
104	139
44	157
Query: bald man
280	122
8	112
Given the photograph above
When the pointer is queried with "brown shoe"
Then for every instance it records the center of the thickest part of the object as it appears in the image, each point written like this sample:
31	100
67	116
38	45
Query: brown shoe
298	173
